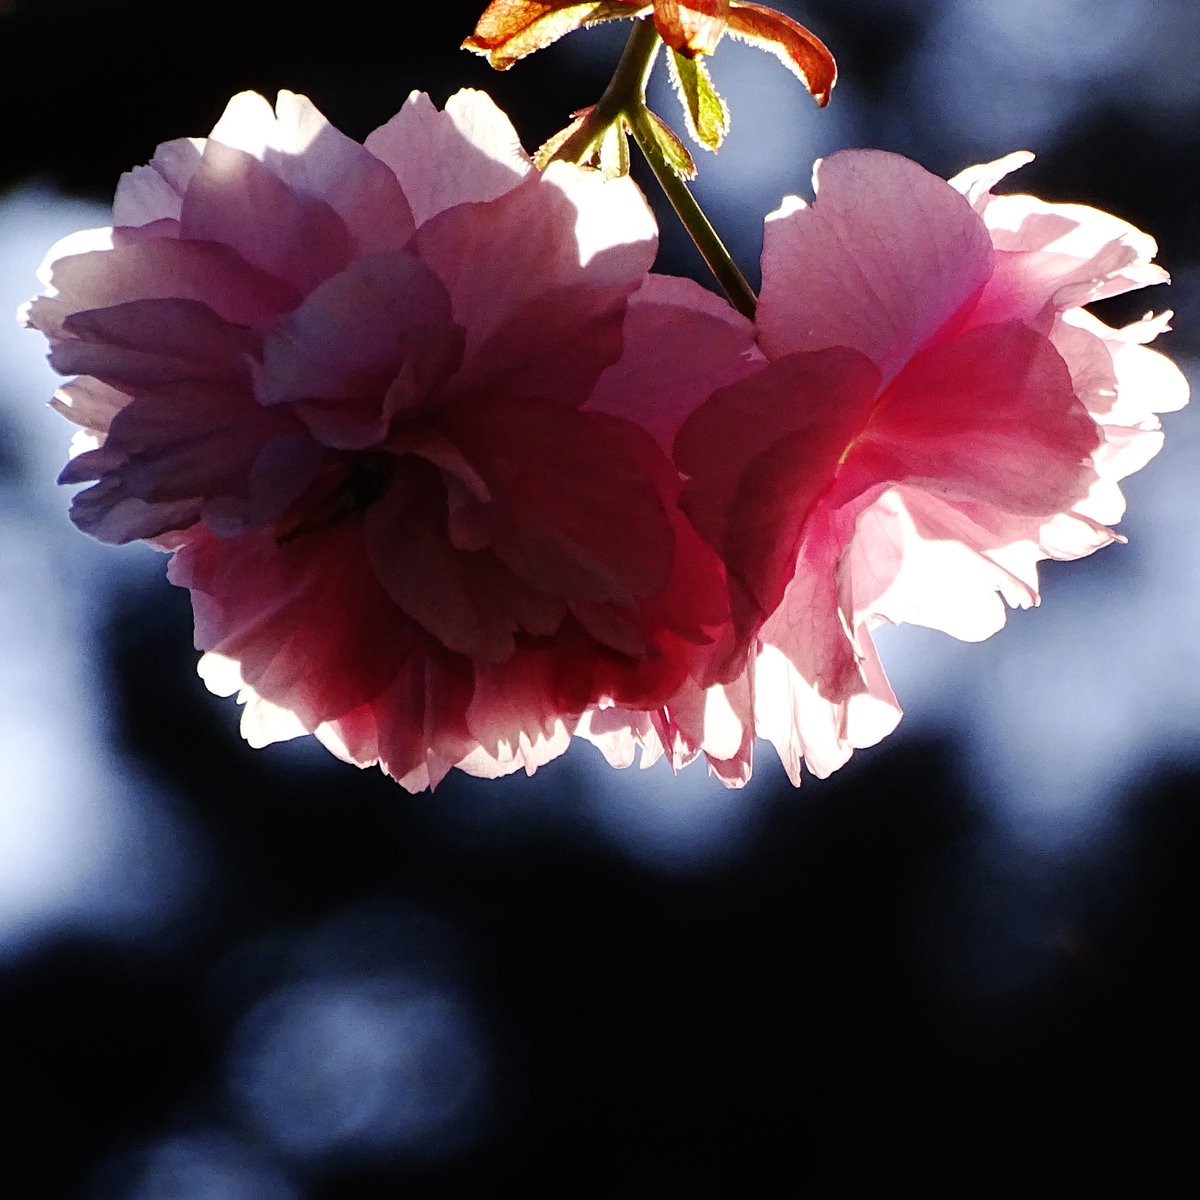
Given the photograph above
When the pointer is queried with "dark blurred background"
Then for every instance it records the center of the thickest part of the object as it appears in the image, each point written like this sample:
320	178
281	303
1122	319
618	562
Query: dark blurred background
965	963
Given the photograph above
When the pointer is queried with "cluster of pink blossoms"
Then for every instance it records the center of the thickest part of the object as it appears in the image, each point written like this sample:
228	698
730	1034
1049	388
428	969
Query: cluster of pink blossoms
452	477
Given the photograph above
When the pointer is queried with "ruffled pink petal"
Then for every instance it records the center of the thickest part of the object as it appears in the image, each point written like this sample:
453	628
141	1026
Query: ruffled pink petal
681	343
806	727
183	453
263	723
155	192
340	351
918	560
976	182
160	269
315	160
820	691
886	255
619	733
235	200
1124	385
465	154
716	722
415	730
1130	382
575	514
143	343
735	772
248	123
306	619
1051	257
455	595
290	193
523	754
957	424
1108	256
759	454
539	277
514	717
808	626
1033	286
109	514
89	403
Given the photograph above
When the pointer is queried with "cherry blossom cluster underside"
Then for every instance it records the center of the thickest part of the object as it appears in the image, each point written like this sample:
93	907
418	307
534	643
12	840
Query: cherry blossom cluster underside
453	477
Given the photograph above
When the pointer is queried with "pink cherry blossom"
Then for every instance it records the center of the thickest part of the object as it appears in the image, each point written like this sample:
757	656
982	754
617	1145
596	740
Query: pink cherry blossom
939	414
403	413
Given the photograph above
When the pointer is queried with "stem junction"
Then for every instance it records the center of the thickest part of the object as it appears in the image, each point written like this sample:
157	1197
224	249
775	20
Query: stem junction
623	106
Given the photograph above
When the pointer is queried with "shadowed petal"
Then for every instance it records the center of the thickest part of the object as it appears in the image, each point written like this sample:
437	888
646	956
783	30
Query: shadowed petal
958	426
576	515
319	641
760	454
147	342
339	352
681	343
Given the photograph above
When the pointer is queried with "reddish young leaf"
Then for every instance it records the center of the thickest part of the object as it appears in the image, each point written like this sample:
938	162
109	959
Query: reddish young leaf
511	29
799	49
693	26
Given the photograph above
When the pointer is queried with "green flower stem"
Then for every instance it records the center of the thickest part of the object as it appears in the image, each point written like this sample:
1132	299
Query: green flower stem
626	89
624	104
712	249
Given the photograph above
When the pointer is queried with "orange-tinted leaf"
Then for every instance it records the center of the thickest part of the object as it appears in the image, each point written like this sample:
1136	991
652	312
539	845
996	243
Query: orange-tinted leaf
691	27
511	29
801	51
